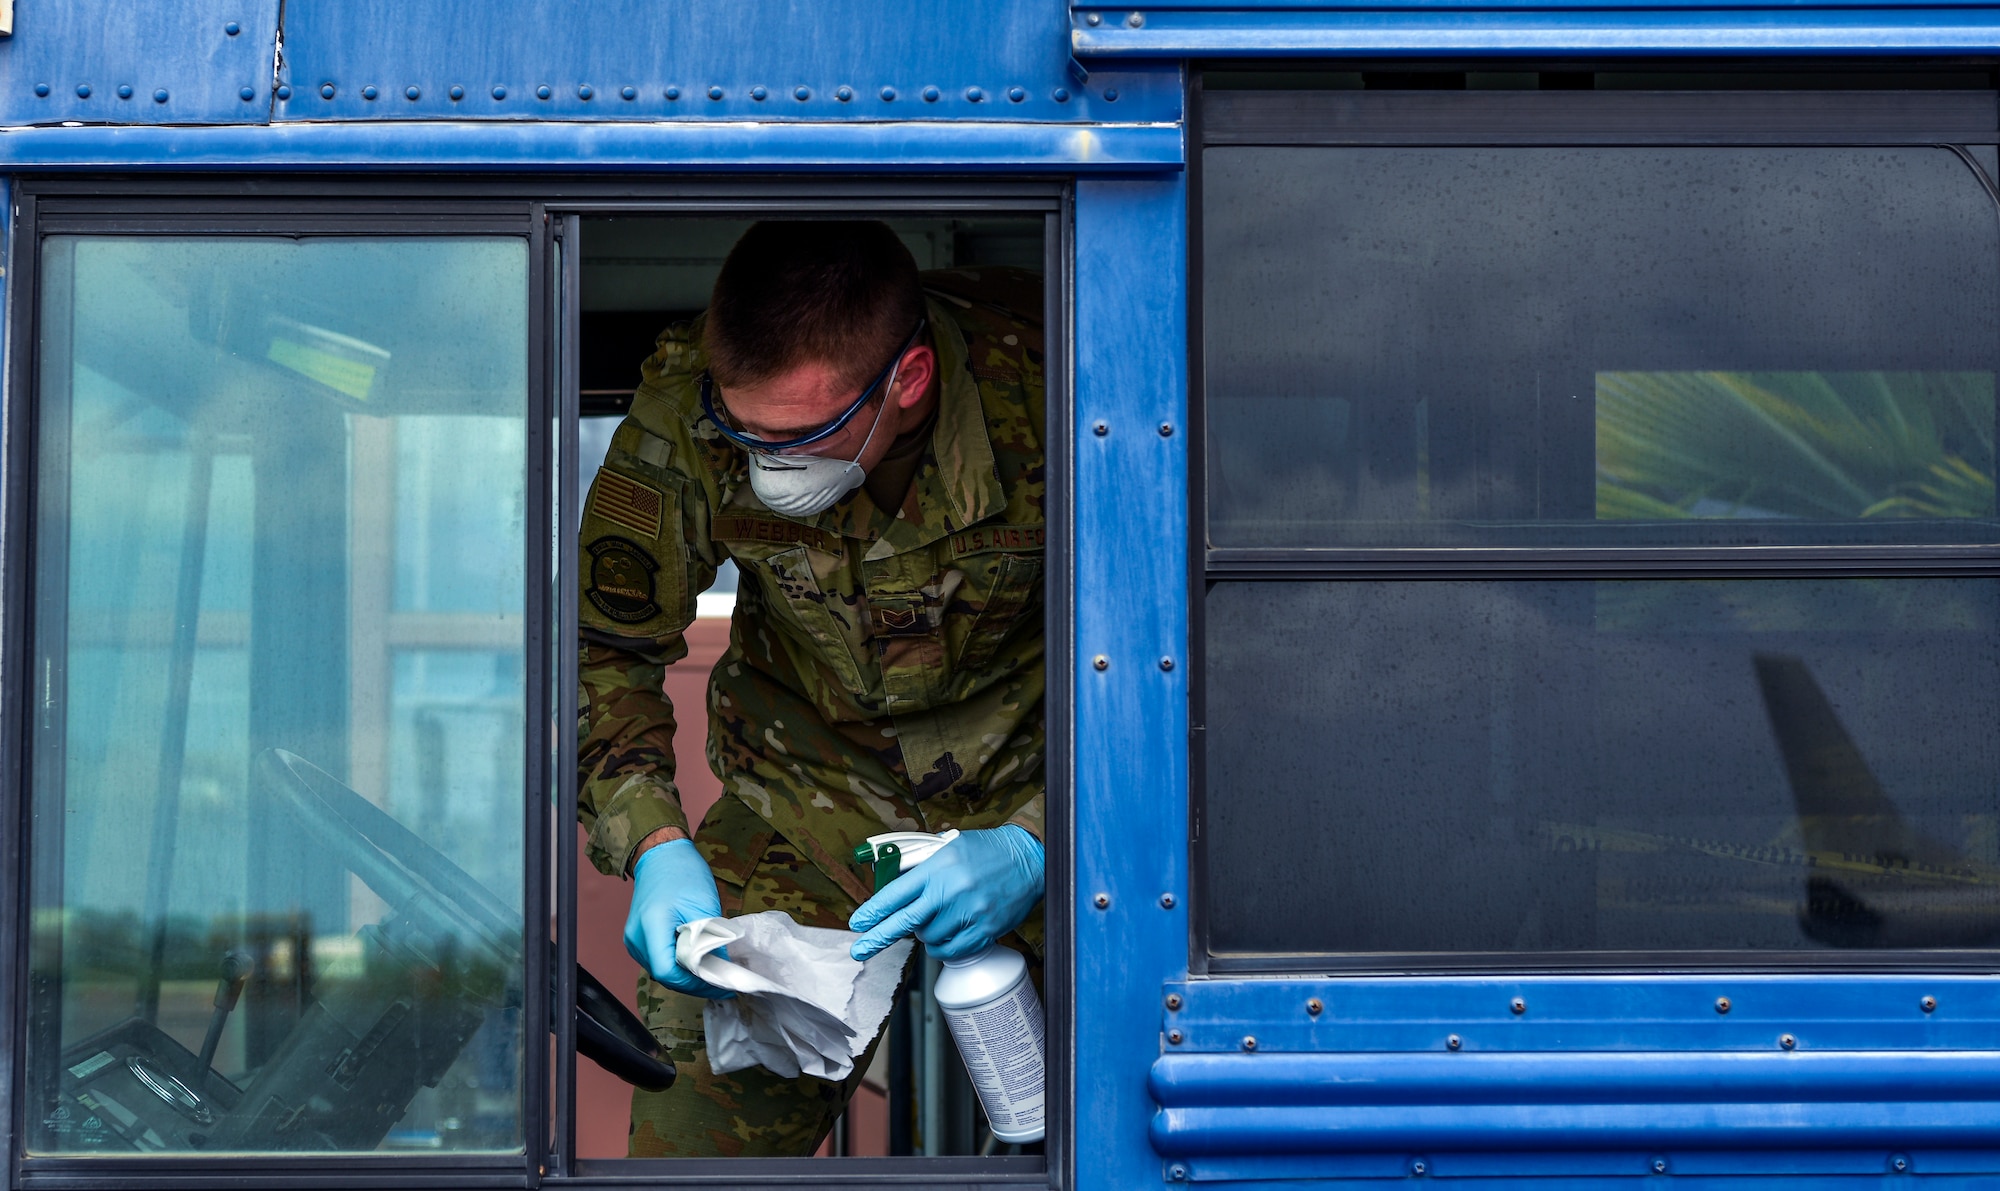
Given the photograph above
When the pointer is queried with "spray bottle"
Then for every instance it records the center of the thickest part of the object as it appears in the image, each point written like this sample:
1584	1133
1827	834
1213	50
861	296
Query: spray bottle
987	999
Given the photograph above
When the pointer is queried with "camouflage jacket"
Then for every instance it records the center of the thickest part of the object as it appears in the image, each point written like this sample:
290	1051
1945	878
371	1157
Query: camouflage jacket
885	665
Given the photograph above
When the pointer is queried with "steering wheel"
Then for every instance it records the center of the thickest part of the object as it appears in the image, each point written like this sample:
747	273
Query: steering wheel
420	881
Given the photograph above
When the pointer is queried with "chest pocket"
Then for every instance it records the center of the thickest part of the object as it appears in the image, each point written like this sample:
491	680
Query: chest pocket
823	618
1015	592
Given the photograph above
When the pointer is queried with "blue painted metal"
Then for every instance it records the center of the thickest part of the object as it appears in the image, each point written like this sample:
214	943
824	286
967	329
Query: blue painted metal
1623	1013
127	52
723	146
734	47
1594	1075
1552	29
1130	777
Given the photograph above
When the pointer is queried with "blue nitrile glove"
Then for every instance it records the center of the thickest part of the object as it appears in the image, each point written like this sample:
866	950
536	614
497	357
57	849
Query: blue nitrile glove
969	893
671	884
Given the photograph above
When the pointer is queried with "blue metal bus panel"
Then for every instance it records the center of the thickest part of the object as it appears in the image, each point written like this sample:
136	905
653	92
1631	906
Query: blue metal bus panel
1130	743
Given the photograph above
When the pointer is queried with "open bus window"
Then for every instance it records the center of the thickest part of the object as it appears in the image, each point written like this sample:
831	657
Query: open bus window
643	279
279	740
1535	356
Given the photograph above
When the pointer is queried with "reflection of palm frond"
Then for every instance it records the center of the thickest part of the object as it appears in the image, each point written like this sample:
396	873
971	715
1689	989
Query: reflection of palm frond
1812	445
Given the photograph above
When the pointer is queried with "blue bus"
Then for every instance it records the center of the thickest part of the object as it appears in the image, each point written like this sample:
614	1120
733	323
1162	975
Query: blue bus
1505	548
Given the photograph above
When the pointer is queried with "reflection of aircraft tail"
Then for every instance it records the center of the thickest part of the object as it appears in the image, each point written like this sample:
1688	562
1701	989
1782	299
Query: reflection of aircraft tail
1923	893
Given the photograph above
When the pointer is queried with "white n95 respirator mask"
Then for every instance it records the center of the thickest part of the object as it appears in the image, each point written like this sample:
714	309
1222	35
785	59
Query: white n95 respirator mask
807	485
803	485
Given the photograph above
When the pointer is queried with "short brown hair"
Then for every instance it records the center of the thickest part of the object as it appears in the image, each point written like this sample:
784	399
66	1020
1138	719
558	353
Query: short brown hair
843	294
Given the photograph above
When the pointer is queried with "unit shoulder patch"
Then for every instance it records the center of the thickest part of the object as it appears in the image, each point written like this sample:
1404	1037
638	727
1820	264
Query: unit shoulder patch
620	583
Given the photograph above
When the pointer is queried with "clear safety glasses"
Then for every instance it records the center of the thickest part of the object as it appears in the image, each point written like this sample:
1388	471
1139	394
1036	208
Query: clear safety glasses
772	446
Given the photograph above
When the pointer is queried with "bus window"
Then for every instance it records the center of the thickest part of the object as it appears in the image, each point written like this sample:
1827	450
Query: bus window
1525	367
644	280
278	767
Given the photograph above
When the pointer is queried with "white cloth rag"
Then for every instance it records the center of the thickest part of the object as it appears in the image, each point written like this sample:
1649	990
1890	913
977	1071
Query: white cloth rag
802	1004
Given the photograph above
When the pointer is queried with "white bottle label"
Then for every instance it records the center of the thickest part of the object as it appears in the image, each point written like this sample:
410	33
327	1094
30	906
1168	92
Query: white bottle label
1001	1043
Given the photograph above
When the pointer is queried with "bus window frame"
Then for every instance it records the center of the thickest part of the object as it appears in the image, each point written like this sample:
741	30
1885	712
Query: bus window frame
545	211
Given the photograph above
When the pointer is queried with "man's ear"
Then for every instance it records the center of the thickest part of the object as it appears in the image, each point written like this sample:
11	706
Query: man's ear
913	378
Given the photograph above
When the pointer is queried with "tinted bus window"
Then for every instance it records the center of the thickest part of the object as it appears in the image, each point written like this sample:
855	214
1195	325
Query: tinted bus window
1554	353
1598	347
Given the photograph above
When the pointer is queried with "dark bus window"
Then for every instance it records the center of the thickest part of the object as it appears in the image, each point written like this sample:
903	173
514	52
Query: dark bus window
1598	346
1615	765
279	734
1759	380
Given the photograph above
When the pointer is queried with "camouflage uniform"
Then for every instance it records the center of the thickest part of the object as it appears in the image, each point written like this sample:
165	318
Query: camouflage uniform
884	669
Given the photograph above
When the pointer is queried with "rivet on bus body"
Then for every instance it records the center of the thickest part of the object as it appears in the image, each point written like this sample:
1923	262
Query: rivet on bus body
1017	94
160	96
584	91
932	94
628	93
232	28
1111	95
673	92
1061	94
1166	901
715	93
544	91
1101	662
284	91
412	93
499	92
83	90
1177	1172
1787	1041
843	94
326	91
1419	1167
888	94
1928	1004
1249	1042
42	89
369	92
247	94
759	94
1166	663
1173	1001
124	90
802	93
1722	1004
1102	901
1166	429
1136	20
1518	1005
1899	1164
1093	19
974	94
1174	1037
1315	1007
1659	1165
457	93
1100	428
1454	1041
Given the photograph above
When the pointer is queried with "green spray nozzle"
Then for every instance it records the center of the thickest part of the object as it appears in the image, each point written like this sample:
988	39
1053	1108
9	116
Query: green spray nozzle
893	851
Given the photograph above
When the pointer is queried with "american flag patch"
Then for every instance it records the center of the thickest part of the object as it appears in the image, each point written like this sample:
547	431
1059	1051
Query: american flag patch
625	501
